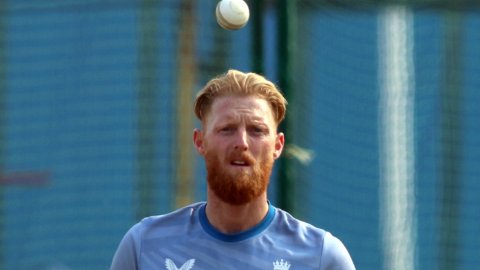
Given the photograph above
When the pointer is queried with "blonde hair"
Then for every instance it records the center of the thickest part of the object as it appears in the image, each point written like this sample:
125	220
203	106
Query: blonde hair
237	83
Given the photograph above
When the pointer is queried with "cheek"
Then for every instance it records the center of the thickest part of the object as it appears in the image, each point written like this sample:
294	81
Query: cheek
214	146
264	149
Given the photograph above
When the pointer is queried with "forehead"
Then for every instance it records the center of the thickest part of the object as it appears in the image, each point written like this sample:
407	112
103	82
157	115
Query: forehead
236	107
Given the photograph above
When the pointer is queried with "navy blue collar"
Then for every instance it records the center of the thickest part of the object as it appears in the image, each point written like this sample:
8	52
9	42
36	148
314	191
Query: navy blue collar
235	237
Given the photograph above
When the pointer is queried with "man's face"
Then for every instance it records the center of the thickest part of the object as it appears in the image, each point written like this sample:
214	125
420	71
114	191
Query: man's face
239	143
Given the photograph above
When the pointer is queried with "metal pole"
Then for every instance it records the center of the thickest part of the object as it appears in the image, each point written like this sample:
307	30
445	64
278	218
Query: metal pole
3	91
148	68
397	122
451	141
257	7
286	48
184	156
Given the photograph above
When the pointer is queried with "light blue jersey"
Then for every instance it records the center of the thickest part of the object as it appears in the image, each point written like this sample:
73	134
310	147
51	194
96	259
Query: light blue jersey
185	240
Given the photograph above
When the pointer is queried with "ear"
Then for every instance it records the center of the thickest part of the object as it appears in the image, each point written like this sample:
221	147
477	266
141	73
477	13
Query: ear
198	141
279	143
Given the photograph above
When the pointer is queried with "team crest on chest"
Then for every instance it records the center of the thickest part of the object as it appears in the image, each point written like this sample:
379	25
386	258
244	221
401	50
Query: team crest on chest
281	265
186	266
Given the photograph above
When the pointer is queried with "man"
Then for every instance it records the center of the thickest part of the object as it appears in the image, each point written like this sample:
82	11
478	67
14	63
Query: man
237	227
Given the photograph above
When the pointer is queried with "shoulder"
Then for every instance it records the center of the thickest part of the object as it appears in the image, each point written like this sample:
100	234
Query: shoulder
331	252
296	235
335	255
151	229
180	214
291	225
176	220
160	226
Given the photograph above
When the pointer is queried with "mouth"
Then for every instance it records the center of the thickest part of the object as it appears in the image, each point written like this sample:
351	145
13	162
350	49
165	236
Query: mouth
240	163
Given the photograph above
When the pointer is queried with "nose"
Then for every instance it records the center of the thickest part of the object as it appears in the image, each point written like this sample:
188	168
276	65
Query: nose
241	140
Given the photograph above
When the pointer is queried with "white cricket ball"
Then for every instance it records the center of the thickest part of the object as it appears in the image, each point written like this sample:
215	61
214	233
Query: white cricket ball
232	14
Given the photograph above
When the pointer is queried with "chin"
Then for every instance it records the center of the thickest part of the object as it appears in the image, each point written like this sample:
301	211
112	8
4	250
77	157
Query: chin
237	185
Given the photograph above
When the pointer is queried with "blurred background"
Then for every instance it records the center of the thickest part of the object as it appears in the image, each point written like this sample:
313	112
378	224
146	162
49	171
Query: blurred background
382	131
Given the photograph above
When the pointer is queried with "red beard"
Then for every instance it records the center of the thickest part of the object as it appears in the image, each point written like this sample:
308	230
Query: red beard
239	187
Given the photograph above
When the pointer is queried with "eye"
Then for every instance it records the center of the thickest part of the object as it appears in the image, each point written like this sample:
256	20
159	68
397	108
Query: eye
258	130
227	130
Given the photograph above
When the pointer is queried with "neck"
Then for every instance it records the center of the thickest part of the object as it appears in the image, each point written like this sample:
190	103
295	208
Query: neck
229	218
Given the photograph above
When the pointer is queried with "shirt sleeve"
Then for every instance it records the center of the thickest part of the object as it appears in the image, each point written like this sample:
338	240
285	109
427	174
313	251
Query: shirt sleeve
125	257
335	255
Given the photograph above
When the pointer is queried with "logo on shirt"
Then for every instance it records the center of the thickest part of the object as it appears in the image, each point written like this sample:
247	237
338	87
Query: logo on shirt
277	265
281	265
186	266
